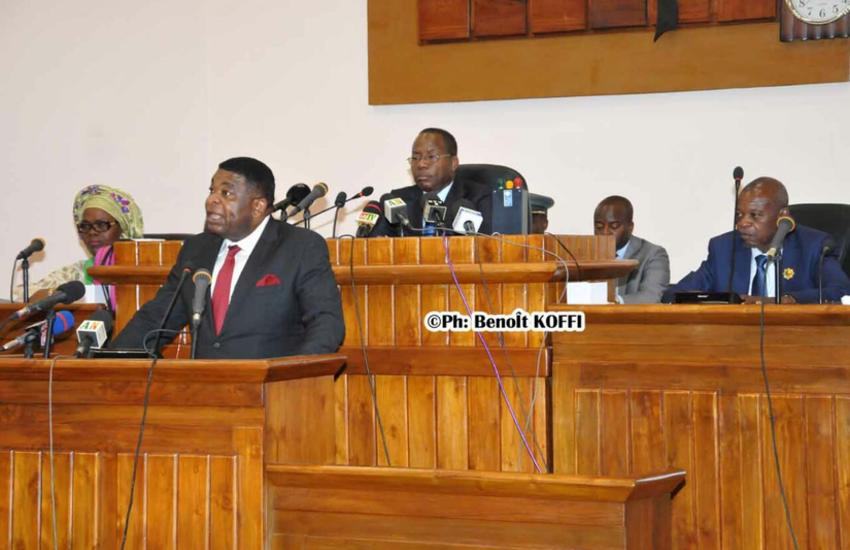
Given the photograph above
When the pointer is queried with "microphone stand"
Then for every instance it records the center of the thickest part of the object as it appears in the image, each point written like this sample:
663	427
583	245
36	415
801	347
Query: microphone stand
823	252
194	339
25	269
306	218
734	239
777	278
336	217
48	338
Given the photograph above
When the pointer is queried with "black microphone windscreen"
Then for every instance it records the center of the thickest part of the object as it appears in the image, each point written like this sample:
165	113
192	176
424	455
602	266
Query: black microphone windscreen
340	199
297	192
368	190
738	173
74	290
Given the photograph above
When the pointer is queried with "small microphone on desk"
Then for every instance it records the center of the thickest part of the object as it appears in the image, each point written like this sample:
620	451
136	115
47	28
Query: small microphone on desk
93	332
319	190
368	217
63	321
294	195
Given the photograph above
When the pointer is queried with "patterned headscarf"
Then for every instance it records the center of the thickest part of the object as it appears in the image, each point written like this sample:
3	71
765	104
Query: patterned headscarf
116	203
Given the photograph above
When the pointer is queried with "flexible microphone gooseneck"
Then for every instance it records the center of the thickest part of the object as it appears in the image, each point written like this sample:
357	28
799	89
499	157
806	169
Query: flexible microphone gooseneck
184	274
827	247
738	175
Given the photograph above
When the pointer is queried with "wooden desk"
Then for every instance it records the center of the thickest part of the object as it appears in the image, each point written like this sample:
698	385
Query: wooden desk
382	508
647	388
211	427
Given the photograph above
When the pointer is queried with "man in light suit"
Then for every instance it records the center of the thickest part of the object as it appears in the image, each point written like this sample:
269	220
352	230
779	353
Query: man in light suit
433	161
645	285
273	291
760	205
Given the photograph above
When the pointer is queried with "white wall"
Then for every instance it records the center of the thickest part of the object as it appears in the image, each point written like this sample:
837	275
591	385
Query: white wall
149	96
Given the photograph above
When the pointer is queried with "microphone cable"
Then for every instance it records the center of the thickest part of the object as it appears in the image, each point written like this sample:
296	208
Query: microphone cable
145	402
12	282
483	341
527	413
369	375
50	443
773	420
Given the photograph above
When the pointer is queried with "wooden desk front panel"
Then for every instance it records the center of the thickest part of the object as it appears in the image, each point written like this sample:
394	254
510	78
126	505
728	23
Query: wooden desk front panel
446	422
199	476
648	388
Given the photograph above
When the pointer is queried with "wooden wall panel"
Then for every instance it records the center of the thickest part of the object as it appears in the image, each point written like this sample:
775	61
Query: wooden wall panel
548	16
707	413
587	63
605	14
690	11
498	18
443	19
741	10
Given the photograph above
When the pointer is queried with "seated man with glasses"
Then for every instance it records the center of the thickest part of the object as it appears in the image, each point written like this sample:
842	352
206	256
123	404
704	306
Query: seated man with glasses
433	161
102	215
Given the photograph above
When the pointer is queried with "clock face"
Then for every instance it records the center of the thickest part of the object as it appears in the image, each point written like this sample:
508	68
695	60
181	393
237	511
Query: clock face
819	12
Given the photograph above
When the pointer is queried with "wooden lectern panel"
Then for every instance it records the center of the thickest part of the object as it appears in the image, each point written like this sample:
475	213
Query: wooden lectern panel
645	388
439	402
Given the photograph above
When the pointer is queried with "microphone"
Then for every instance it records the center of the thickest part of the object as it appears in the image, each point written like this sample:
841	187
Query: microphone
65	293
93	332
35	246
318	191
341	199
294	195
433	209
61	323
365	192
467	218
737	175
202	279
395	210
785	225
827	247
368	217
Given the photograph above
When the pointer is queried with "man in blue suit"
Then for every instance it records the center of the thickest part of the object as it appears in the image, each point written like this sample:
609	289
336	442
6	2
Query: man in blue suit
760	205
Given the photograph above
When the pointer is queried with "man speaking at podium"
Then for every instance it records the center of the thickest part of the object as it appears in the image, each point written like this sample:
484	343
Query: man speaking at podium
272	290
763	203
433	161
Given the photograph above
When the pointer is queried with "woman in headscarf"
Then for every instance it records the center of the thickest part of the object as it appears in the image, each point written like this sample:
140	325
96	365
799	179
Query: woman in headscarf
102	215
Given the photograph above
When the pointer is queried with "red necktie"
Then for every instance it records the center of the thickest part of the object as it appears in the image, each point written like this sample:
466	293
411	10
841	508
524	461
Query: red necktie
221	293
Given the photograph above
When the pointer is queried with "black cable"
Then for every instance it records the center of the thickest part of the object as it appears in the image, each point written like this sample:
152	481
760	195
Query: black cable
12	283
145	403
336	217
369	376
773	423
568	251
526	413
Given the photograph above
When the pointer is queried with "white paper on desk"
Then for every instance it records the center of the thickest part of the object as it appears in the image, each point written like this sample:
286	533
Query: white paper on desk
845	300
587	292
94	295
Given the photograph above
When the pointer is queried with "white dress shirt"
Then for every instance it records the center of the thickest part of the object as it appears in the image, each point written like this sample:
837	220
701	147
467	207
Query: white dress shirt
246	246
770	287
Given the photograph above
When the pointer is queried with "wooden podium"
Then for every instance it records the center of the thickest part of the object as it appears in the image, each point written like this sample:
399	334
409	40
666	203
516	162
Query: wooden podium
649	388
211	427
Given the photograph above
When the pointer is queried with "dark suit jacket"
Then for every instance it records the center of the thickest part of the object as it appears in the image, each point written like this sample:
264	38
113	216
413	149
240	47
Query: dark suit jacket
301	315
477	194
799	277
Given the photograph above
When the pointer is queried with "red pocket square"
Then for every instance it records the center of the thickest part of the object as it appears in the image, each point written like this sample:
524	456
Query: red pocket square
268	280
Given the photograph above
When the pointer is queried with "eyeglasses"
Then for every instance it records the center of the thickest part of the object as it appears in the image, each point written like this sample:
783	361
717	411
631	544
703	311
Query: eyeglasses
429	159
98	226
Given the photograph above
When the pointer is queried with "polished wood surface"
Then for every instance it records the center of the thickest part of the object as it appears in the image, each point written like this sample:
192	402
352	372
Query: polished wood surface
645	388
200	477
591	63
343	507
439	399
